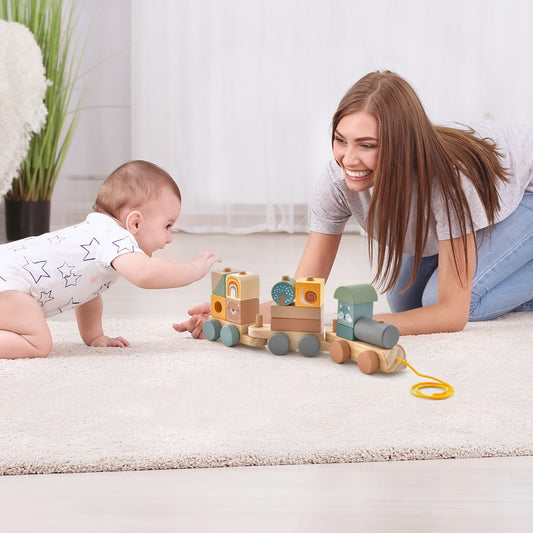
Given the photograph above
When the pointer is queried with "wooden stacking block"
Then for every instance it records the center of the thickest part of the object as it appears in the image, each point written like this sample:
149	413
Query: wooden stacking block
283	292
218	280
346	332
310	292
355	301
291	311
295	324
218	306
242	286
241	311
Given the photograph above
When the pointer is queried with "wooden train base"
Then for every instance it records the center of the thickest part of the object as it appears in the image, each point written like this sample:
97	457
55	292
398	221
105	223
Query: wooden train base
297	320
369	357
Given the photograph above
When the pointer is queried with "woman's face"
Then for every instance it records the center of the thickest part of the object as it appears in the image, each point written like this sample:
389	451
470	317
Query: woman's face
355	148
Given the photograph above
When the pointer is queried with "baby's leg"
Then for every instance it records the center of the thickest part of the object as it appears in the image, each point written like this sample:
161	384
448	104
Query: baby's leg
23	328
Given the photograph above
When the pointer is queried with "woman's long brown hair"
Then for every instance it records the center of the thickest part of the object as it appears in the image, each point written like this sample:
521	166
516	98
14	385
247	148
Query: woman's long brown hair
412	153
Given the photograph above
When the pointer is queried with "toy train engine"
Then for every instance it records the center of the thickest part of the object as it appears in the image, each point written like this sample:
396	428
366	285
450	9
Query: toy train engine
358	336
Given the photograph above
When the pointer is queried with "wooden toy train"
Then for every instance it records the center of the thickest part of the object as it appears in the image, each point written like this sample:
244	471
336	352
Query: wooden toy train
297	320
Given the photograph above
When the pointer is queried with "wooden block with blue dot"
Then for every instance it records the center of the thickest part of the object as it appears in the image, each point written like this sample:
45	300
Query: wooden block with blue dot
284	291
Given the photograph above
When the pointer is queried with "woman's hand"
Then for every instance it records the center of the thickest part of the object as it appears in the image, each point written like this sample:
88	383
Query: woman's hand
194	325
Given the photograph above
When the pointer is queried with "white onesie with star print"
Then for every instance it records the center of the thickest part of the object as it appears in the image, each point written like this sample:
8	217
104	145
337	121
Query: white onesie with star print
66	268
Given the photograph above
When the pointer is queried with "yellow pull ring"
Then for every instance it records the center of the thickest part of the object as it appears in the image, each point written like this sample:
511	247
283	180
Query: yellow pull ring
415	389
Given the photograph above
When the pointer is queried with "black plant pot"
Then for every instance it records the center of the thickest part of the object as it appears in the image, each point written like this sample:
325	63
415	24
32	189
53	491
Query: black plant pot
24	219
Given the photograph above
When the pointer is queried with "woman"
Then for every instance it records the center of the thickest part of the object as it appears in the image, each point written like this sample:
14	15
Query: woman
448	210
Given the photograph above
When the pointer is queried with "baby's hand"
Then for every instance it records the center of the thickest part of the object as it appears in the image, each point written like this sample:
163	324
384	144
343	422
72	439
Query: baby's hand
194	325
104	342
204	261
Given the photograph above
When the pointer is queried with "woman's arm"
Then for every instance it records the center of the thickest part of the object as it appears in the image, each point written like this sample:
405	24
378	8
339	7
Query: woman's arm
452	309
319	255
317	260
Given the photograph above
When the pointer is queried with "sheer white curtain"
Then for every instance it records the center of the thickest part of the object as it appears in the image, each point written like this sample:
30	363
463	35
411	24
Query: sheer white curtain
234	97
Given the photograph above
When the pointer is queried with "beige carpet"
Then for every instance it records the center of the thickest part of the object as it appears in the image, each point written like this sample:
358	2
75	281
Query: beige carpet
174	402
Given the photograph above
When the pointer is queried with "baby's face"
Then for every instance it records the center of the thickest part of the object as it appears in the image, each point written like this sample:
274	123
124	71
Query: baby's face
159	215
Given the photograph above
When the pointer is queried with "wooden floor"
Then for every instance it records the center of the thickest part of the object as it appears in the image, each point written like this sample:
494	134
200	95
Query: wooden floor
489	495
485	495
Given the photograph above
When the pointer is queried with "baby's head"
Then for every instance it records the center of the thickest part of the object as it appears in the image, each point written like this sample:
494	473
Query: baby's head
144	199
131	185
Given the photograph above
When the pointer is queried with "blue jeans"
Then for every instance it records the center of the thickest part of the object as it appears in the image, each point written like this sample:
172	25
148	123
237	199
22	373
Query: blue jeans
503	279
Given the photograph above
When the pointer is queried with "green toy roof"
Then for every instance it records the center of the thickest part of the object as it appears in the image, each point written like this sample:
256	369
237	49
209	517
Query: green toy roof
356	294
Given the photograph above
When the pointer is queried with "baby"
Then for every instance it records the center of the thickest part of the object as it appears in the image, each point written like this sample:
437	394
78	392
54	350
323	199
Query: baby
135	209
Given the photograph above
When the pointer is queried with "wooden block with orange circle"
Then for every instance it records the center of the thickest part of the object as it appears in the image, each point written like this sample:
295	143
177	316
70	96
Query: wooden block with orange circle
310	292
218	306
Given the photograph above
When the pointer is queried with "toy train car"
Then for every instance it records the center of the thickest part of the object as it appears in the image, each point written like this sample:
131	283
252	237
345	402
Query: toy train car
297	320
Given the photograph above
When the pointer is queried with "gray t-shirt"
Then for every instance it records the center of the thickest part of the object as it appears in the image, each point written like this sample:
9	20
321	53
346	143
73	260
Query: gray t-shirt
334	203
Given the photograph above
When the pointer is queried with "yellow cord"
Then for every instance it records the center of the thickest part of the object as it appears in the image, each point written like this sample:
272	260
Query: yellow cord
415	389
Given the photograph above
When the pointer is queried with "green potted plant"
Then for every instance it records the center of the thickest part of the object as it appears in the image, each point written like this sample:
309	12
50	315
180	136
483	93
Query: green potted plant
27	203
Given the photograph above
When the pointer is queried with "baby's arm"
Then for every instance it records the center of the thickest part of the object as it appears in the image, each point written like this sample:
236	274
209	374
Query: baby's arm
158	273
89	317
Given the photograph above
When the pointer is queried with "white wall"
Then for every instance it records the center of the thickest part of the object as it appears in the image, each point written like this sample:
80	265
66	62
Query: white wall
466	59
234	97
475	61
103	137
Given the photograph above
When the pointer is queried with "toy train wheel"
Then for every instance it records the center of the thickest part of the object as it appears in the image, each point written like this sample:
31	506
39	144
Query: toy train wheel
211	329
309	345
339	351
229	335
279	344
368	362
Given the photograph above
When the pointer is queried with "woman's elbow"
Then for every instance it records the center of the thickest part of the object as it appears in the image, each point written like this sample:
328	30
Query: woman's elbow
451	317
457	325
456	321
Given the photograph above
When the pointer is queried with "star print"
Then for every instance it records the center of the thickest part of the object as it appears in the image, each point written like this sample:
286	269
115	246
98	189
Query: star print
66	270
56	240
69	305
124	245
33	269
72	280
90	249
102	288
45	297
2	278
17	247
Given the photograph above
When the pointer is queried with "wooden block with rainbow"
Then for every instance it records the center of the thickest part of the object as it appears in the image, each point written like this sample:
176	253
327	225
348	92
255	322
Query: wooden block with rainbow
235	295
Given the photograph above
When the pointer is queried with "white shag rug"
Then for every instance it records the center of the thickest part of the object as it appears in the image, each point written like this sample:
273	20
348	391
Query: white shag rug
173	402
